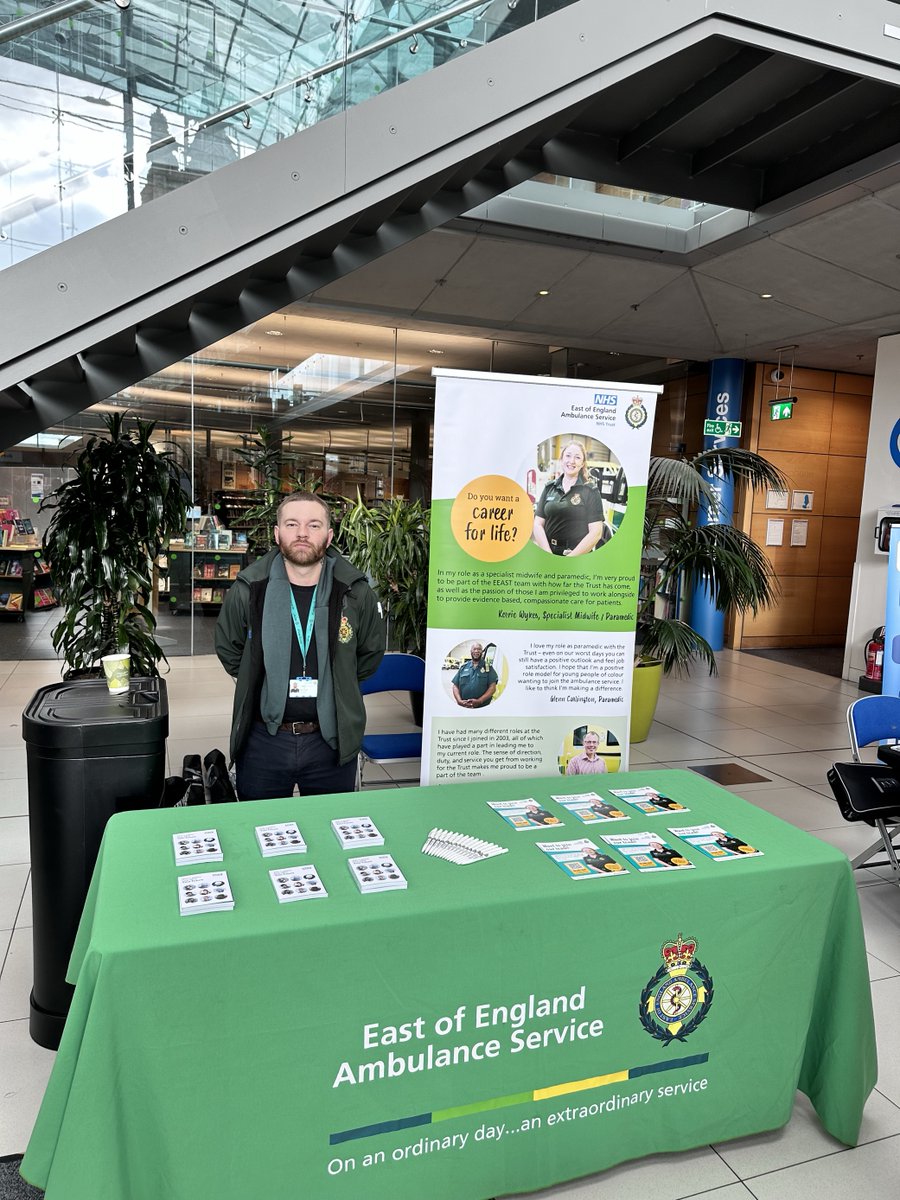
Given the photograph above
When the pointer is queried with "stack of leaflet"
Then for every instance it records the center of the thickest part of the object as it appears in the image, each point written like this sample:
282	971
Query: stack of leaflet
201	846
459	847
204	893
297	883
355	832
376	873
285	838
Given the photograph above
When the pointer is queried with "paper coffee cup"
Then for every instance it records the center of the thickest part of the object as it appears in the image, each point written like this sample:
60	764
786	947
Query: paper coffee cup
116	669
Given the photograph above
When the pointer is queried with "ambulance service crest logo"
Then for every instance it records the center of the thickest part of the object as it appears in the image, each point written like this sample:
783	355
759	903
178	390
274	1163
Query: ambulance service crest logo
345	633
679	995
635	413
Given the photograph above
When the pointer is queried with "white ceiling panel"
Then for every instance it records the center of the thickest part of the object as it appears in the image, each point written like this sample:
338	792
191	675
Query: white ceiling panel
863	238
742	319
802	282
673	320
599	290
402	279
498	278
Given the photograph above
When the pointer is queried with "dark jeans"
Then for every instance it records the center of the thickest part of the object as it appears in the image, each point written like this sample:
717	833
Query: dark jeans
268	767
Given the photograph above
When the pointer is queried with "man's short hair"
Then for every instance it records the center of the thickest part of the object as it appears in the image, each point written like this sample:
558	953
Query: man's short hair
307	496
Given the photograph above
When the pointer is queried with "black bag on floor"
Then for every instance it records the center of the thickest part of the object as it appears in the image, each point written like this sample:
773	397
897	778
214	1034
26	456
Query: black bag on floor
219	789
865	791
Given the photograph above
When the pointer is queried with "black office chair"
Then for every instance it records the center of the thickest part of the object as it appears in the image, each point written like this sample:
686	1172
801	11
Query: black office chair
877	719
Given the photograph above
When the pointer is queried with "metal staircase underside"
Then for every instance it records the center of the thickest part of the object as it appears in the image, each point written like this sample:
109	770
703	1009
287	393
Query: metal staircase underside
715	109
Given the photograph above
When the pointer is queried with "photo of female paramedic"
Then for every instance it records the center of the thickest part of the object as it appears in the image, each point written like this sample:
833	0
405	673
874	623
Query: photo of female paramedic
572	515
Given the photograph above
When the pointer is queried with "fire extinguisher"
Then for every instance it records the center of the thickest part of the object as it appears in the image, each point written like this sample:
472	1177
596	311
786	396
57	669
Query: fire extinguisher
875	655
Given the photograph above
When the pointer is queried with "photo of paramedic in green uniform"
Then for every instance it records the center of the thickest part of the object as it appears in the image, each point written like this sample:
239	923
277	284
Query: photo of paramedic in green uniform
474	683
568	517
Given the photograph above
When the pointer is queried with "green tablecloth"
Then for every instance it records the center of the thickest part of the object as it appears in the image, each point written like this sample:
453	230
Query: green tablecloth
301	1048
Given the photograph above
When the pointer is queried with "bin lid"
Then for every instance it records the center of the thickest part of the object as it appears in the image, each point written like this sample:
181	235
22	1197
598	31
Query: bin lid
82	713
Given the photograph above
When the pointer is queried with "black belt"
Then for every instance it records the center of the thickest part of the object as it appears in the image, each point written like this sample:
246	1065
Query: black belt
298	727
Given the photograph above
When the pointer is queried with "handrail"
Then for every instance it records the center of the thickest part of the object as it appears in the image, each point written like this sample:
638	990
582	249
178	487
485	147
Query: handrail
243	107
49	16
390	39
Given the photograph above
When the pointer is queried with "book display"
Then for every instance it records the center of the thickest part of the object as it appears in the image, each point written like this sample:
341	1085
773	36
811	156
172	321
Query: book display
200	575
25	578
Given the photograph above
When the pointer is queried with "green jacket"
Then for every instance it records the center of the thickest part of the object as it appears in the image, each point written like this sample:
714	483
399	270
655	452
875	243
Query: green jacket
356	643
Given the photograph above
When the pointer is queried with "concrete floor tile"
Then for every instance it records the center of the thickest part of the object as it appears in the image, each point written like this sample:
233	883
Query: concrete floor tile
26	1069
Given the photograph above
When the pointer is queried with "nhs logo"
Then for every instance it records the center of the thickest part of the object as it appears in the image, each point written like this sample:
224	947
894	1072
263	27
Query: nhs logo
605	399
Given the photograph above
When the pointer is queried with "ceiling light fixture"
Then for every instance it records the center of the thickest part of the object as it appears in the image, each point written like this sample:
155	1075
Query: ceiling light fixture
275	333
765	295
543	292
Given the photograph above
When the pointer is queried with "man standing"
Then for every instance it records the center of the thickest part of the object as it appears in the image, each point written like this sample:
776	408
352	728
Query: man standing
589	761
298	631
474	683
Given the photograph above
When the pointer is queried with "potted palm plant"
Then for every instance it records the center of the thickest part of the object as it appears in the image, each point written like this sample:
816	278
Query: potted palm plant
389	541
678	552
109	523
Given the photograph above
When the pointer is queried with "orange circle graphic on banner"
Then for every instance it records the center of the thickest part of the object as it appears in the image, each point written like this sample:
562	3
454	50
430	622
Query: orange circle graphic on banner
492	518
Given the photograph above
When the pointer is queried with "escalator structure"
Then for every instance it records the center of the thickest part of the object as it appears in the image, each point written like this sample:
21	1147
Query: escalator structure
272	187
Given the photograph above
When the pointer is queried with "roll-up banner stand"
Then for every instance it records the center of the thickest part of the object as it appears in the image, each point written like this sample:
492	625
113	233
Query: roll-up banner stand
537	520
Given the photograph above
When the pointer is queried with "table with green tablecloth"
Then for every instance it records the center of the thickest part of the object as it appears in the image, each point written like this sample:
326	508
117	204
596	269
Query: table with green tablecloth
495	1027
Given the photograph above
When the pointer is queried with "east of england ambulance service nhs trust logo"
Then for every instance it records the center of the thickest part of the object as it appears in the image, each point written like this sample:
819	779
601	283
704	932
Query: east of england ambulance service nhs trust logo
635	413
679	995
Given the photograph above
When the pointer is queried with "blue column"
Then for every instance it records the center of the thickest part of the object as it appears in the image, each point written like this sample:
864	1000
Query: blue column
726	385
890	679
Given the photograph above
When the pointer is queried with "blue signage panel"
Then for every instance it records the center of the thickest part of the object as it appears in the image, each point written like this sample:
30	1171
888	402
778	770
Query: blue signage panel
726	386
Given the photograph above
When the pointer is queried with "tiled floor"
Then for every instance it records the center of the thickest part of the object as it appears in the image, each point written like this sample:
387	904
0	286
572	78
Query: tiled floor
780	721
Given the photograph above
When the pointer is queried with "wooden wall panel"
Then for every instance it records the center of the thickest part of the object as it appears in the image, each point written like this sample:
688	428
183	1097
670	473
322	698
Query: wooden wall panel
831	607
843	487
856	385
809	379
850	424
805	472
837	552
787	559
821	449
794	614
808	430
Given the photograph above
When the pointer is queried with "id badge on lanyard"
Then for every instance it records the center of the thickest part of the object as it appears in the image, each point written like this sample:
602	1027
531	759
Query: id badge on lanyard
303	687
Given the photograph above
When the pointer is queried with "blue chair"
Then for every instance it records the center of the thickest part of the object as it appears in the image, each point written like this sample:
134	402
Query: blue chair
876	719
396	673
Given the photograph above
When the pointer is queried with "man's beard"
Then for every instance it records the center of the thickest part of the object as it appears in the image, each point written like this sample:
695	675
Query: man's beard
305	555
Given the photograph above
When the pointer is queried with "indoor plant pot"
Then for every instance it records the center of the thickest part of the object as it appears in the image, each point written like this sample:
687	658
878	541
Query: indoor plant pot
645	685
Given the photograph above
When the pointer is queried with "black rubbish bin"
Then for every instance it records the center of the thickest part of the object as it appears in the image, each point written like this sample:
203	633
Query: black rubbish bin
90	755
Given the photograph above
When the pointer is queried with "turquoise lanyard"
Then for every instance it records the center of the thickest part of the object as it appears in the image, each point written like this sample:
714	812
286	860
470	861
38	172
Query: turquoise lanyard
304	637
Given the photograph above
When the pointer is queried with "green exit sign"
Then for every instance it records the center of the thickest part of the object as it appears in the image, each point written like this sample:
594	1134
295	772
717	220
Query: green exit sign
721	428
783	411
